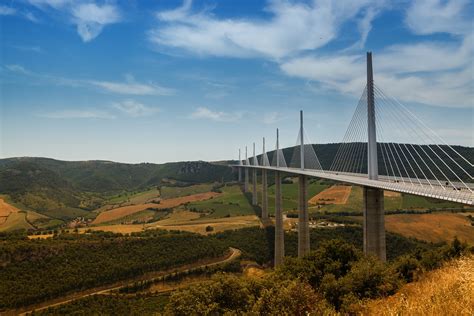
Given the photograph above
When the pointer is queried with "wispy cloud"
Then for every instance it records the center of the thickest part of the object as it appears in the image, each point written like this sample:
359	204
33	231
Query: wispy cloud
79	114
128	87
218	116
134	108
89	17
4	10
36	49
132	88
293	27
272	118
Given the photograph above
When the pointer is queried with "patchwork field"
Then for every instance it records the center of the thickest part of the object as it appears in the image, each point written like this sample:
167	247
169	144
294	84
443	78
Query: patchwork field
186	221
120	212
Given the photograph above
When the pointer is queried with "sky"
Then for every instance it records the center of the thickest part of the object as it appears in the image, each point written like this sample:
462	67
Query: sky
158	81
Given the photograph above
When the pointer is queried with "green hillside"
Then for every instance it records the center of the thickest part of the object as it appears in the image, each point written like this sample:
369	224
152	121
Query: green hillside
68	189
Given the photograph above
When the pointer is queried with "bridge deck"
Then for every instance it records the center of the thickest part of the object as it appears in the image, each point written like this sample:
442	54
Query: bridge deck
459	195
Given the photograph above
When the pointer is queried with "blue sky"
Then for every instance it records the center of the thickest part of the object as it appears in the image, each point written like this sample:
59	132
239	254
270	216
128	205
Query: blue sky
157	81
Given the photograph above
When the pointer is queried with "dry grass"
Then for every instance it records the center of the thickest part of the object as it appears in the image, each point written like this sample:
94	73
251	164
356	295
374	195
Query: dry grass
431	227
337	194
120	212
446	291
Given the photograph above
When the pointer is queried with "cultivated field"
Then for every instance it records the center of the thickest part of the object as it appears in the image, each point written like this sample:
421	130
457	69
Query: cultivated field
337	194
12	218
433	227
120	212
232	202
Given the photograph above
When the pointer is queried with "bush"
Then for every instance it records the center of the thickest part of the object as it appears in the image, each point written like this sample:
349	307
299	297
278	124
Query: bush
407	267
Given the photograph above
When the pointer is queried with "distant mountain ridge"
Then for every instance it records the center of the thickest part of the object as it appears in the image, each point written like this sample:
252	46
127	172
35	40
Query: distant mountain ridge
46	184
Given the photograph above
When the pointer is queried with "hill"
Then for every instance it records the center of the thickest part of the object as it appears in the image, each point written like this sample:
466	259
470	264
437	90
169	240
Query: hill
67	189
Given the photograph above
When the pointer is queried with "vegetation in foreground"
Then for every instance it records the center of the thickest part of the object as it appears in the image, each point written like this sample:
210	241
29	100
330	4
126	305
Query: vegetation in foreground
447	290
35	270
336	278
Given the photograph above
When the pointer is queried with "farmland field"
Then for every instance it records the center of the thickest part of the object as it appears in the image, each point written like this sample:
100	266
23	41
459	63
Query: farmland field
16	220
232	202
120	212
337	194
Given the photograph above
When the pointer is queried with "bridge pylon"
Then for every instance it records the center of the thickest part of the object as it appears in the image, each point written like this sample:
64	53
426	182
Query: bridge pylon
246	175
254	179
240	168
374	225
303	216
279	232
264	186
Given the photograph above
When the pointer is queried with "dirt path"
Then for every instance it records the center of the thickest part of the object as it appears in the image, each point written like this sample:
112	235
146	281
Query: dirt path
232	255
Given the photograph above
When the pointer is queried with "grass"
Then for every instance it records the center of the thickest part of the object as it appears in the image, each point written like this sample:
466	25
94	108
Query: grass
446	291
232	202
172	192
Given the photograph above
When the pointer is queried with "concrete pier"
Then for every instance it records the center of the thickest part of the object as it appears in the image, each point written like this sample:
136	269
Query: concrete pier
279	232
264	195
303	217
374	226
246	175
254	188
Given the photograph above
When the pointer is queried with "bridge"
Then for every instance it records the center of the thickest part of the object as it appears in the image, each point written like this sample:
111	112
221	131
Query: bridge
421	164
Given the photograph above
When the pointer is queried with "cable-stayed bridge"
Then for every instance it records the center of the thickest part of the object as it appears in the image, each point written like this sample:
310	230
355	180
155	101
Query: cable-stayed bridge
418	163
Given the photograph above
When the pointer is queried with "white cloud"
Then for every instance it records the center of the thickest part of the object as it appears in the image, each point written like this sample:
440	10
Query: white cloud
134	108
443	78
79	114
293	28
436	16
89	17
4	10
218	116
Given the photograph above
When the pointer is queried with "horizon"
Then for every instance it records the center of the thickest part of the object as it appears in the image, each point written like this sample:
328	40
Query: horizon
172	81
